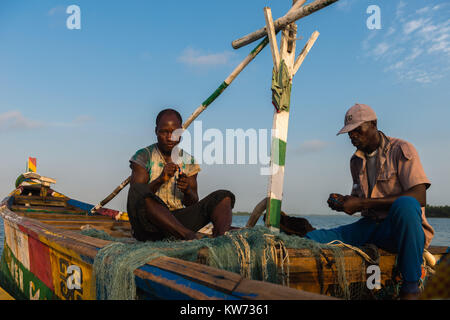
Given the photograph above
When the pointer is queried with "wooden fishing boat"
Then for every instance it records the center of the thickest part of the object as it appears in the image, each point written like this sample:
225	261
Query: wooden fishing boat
44	252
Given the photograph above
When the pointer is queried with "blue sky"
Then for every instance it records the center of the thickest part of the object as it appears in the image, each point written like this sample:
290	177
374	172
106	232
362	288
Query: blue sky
83	101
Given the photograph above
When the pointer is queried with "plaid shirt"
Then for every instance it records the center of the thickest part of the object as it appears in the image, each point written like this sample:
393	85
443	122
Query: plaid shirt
151	159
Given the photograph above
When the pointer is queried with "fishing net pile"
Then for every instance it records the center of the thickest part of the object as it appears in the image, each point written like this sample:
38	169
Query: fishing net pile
256	253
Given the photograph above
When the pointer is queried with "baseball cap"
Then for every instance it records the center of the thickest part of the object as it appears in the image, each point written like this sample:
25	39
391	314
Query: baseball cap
356	116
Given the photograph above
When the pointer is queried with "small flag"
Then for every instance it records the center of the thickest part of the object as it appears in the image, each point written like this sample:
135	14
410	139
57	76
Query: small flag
31	165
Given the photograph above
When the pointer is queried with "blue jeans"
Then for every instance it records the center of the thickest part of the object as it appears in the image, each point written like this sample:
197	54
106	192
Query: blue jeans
401	232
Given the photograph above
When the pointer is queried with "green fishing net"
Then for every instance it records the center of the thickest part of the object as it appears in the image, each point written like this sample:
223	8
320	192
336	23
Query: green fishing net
256	253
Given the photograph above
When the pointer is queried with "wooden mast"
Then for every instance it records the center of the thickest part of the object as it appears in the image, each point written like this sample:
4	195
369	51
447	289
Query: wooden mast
284	61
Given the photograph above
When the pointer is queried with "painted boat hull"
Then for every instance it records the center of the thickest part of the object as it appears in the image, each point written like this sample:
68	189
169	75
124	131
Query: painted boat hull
44	259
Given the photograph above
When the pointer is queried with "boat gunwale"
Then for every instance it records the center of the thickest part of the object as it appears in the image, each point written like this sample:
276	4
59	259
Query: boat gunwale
88	247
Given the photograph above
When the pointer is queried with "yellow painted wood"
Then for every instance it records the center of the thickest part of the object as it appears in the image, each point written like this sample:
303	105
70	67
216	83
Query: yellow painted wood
5	295
61	273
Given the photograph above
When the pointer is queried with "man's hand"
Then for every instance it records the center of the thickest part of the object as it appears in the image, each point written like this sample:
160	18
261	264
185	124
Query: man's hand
168	171
195	236
335	201
347	204
183	183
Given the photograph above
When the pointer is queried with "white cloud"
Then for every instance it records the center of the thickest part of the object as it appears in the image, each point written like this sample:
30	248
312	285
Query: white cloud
312	146
423	10
56	10
413	25
12	120
83	119
15	120
391	30
399	12
381	49
420	52
194	57
344	5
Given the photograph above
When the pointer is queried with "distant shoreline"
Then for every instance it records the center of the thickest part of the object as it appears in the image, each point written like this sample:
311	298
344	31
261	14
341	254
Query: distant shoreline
437	211
241	213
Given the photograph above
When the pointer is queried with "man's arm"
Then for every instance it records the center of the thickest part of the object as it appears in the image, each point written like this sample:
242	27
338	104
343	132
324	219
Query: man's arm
140	175
351	204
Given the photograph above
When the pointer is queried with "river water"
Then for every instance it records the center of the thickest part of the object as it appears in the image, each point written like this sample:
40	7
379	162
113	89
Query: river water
441	226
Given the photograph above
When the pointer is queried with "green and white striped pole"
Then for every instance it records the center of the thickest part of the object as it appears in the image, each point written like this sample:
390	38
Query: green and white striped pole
279	139
283	72
278	160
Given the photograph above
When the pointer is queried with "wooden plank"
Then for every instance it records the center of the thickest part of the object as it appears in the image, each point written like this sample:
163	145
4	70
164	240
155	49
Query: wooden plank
211	277
48	198
5	295
258	290
63	216
105	223
113	232
29	203
46	209
293	15
272	38
161	284
228	282
37	200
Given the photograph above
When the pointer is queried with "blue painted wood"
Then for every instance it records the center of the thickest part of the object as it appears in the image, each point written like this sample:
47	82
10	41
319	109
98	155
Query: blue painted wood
158	291
82	205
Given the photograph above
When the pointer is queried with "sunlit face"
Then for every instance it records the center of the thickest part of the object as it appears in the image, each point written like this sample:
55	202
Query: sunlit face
364	136
164	130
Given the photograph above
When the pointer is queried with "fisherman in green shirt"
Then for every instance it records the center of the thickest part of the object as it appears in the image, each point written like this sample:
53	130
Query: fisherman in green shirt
163	199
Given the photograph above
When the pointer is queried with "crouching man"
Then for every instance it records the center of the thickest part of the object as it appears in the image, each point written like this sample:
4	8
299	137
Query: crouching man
163	199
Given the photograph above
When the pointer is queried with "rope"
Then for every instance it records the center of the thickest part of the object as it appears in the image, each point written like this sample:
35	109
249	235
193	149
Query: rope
271	247
279	257
243	254
339	243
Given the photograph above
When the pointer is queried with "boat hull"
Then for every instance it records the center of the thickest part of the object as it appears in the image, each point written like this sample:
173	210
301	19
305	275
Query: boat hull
43	261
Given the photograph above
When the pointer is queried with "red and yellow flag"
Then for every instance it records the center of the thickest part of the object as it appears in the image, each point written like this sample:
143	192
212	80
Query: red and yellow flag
31	165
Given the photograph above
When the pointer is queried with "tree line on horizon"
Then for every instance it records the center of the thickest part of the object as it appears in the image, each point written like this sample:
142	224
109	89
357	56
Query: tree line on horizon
437	211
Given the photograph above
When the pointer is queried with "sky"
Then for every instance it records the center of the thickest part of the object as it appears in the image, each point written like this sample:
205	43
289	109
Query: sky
83	101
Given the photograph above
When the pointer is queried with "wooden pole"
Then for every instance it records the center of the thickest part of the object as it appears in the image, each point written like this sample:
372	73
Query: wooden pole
272	38
199	110
280	125
296	13
111	195
279	138
301	57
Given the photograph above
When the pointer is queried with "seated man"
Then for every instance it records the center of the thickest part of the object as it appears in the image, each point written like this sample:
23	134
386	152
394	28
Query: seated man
163	199
389	189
